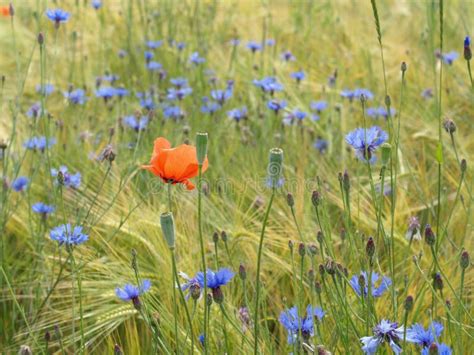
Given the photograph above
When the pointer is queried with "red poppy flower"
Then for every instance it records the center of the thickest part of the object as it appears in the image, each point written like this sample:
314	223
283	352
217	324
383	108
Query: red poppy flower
174	165
5	11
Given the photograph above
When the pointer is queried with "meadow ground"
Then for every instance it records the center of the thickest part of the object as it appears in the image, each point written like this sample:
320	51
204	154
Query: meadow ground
354	236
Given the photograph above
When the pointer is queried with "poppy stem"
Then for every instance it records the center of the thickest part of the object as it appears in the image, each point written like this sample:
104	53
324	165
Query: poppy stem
259	258
169	196
203	255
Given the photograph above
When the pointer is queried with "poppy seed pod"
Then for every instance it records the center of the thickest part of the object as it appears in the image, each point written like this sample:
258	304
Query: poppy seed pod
386	149
201	147
167	227
275	166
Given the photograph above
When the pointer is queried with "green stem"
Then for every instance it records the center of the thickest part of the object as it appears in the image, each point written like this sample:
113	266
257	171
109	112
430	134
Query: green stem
203	255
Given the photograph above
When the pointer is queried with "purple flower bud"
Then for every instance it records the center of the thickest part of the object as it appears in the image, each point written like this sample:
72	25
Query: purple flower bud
429	235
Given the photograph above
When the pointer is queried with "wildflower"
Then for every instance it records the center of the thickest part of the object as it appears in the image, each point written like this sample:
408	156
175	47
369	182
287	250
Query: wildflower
179	82
20	184
154	44
173	112
209	106
196	59
424	337
34	111
270	42
449	126
174	165
254	46
268	84
96	4
321	145
287	56
58	16
221	96
357	93
366	141
467	48
66	234
298	75
39	143
464	260
111	78
237	114
244	317
319	106
5	11
135	123
385	331
427	93
178	94
201	339
42	209
295	325
107	153
376	291
276	105
147	101
234	42
132	293
68	180
413	232
440	349
450	57
376	112
106	93
76	97
153	66
148	56
291	117
430	236
215	280
46	89
121	92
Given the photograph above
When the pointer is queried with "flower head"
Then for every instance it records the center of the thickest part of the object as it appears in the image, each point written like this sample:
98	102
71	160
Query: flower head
68	179
46	89
58	16
321	145
174	165
237	114
319	106
376	291
20	184
366	141
298	75
106	92
276	105
215	279
414	228
424	337
42	208
154	66
154	44
66	234
287	56
135	123
39	143
254	46
76	97
385	331
130	292
295	325
96	4
440	349
450	57
34	111
196	59
268	84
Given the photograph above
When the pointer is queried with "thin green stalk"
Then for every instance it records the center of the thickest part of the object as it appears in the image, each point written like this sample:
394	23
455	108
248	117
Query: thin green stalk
175	308
203	256
257	283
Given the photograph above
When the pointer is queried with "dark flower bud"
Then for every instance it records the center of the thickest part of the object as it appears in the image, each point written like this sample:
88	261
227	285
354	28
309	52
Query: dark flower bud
321	269
388	101
217	295
290	245
448	304
449	126
224	236
342	234
404	67
317	287
311	275
429	235
467	48
108	154
290	199
316	198
433	349
346	182
117	350
47	336
301	249
463	165
319	237
330	267
60	178
11	10
242	272
361	282
437	281
215	237
408	303
40	38
209	299
313	249
464	261
136	303
370	247
339	177
362	98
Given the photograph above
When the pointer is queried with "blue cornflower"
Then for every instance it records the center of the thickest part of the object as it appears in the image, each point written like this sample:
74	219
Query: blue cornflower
196	59
76	97
237	114
68	180
381	111
424	337
221	96
147	102
46	89
295	325
270	42
20	183
34	111
321	145
192	286
385	331
287	56
209	106
135	123
318	106
295	116
276	105
96	4
268	84
467	41
215	280
58	16
427	93
254	46
449	57
121	92
111	78
66	234
130	292
173	112
269	183
148	56
122	53
154	66
442	349
179	82
201	339
357	93
106	92
234	42
376	291
366	141
153	44
39	143
42	208
178	94
180	46
298	75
